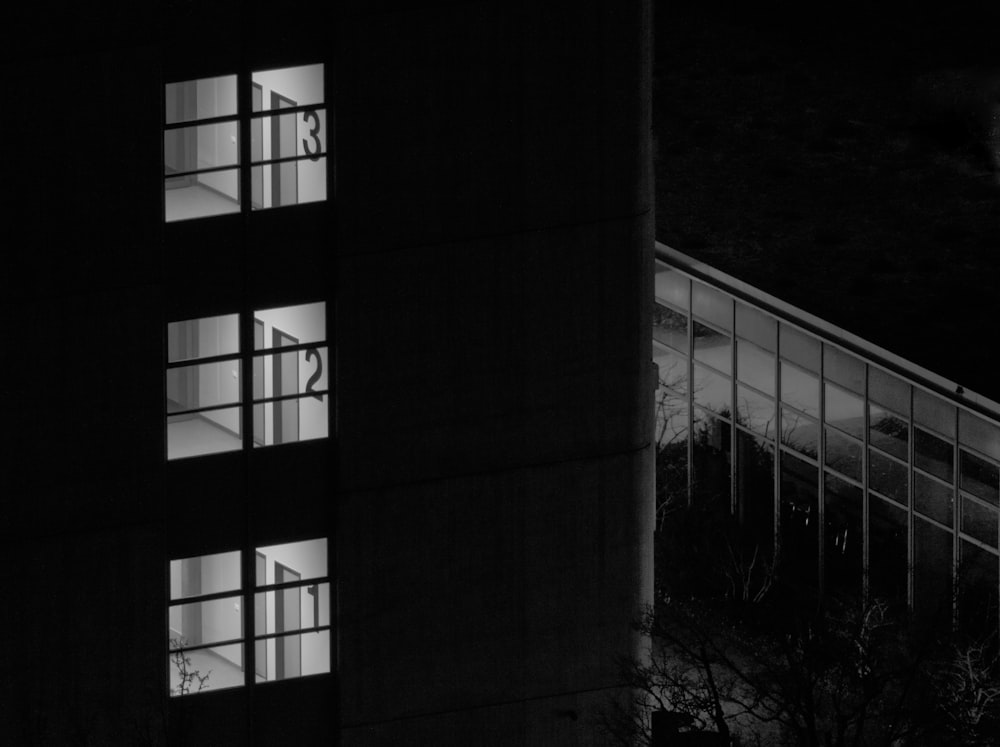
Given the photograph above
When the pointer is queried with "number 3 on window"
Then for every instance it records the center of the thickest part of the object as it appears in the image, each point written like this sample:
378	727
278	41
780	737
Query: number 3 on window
314	152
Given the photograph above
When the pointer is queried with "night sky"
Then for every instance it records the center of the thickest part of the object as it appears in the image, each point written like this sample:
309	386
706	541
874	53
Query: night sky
844	163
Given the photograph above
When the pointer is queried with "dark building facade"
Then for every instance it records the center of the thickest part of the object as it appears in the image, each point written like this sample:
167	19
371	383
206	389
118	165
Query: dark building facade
347	408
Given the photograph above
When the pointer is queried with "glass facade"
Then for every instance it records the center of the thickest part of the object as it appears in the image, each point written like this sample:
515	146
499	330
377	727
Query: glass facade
868	483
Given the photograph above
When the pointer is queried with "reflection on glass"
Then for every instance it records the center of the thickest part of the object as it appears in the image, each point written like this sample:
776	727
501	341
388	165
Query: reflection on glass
800	348
980	435
800	389
672	287
843	454
979	521
979	476
671	453
887	556
204	574
887	476
712	347
201	338
977	591
712	306
933	413
712	457
670	328
756	326
845	411
932	573
223	666
672	367
799	432
755	493
189	100
889	432
671	416
887	390
843	537
755	411
844	369
932	499
755	366
799	524
712	390
933	455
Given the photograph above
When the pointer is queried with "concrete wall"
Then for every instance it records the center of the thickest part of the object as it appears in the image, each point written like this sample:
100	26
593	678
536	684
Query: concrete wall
494	390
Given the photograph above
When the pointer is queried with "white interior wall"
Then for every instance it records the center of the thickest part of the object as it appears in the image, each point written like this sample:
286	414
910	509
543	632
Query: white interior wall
220	383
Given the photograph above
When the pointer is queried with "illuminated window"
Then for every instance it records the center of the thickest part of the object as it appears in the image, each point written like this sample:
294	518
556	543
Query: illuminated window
205	136
290	598
205	405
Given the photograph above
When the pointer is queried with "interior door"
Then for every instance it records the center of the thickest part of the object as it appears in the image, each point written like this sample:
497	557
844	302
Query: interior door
285	377
287	617
284	138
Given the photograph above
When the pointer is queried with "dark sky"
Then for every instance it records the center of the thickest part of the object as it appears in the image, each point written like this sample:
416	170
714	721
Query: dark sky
842	162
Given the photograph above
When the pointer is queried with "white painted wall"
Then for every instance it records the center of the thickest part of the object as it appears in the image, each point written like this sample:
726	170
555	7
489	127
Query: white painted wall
220	382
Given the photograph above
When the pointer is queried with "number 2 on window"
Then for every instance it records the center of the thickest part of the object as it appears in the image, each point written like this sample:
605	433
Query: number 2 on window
314	379
314	134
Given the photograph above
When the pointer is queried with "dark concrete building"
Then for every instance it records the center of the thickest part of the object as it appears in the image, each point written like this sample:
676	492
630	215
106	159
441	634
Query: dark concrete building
329	426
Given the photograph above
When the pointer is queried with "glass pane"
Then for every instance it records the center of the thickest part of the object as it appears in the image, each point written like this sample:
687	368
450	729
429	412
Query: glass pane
295	608
712	390
887	545
755	411
712	306
200	147
933	413
205	574
978	434
933	455
205	669
843	537
291	420
294	372
800	348
189	100
888	390
799	523
844	369
933	499
289	325
889	432
201	338
298	655
887	476
711	449
671	455
845	411
210	432
843	454
201	195
288	136
799	432
977	595
292	561
290	86
979	522
673	368
670	327
979	476
200	623
672	287
756	326
932	573
755	366
712	347
671	416
755	492
203	385
290	183
800	389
